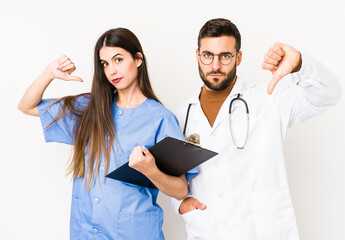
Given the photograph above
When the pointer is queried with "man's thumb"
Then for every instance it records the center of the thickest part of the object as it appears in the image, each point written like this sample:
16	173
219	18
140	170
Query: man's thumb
272	84
199	205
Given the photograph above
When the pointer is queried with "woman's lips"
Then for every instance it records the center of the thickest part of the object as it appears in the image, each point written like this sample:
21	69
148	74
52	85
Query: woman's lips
116	80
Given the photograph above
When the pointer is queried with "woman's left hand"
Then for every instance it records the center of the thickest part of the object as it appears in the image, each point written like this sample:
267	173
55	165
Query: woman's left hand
142	160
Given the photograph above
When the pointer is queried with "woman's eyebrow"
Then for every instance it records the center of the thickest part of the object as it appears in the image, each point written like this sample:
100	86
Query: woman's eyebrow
117	54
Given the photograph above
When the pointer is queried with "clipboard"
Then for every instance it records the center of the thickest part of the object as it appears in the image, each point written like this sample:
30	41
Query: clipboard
173	157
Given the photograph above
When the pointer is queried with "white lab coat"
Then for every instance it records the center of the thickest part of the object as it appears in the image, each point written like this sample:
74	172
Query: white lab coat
246	191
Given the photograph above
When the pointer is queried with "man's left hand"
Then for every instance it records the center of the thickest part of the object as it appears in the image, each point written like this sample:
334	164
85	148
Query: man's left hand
281	59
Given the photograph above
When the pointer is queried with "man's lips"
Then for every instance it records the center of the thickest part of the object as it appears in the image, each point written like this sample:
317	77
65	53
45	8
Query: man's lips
216	75
116	80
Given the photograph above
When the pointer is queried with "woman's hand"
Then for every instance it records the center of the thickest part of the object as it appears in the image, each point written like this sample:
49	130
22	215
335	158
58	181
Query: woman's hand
62	68
142	160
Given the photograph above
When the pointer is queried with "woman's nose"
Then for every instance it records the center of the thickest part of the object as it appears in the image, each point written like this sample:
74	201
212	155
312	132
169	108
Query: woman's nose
112	69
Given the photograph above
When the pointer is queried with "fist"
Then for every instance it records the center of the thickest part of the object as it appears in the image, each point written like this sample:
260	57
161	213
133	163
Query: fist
281	59
142	160
62	68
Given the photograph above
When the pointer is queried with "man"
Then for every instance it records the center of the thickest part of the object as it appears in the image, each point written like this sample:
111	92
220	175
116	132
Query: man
243	193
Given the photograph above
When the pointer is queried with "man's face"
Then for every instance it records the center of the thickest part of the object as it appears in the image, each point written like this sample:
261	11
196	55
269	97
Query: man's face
217	76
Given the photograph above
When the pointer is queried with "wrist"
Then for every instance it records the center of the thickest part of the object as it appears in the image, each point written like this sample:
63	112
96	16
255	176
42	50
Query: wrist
181	202
299	65
47	75
152	172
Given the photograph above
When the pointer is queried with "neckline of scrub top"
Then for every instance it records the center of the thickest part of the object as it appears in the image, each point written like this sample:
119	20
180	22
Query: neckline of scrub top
128	109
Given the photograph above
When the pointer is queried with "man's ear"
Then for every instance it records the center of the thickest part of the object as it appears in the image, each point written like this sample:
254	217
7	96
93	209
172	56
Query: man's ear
139	59
239	58
197	55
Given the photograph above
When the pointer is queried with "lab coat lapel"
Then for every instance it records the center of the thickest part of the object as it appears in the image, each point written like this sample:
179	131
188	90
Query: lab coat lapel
199	115
223	113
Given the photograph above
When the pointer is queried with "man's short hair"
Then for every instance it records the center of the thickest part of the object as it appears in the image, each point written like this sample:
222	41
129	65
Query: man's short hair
219	27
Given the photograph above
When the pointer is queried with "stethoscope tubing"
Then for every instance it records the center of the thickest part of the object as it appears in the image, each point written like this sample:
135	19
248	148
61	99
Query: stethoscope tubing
230	124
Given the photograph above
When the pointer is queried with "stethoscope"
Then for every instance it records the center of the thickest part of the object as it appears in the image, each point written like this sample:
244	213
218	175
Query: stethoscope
238	98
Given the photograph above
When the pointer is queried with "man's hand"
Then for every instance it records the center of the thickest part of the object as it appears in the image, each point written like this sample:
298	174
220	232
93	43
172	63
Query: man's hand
281	59
190	204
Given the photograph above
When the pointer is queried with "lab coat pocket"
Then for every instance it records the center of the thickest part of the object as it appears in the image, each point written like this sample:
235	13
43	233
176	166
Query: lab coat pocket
274	215
145	226
75	219
194	224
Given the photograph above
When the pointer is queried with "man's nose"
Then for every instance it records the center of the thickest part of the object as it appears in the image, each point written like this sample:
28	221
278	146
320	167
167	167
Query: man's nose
216	63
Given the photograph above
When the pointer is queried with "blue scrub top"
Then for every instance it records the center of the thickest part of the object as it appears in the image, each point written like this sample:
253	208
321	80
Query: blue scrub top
115	209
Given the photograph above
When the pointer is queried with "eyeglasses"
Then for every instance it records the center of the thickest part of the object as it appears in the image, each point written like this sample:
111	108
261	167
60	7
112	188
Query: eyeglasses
206	58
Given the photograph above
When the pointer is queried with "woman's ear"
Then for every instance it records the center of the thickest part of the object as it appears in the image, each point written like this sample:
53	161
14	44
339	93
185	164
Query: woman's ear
139	59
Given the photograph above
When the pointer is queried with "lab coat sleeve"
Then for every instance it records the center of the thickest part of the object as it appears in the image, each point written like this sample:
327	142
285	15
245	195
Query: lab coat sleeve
315	90
61	131
169	128
176	203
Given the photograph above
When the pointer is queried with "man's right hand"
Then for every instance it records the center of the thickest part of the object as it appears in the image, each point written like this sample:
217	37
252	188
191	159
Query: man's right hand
190	204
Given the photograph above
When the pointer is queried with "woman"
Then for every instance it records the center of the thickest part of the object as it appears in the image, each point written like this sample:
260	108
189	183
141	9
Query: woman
113	124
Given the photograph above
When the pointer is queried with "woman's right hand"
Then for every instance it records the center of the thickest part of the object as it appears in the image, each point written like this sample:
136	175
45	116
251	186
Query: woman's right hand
62	68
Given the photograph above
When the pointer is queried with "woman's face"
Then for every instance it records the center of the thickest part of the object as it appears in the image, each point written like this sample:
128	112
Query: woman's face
119	67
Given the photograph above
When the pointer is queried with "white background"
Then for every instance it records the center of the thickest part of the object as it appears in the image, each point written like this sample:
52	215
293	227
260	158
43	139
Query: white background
35	194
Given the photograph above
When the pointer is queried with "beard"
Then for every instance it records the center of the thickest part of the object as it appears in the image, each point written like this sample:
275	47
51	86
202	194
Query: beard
217	84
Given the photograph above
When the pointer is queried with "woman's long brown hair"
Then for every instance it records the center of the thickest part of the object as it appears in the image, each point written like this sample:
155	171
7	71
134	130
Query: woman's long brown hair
95	127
